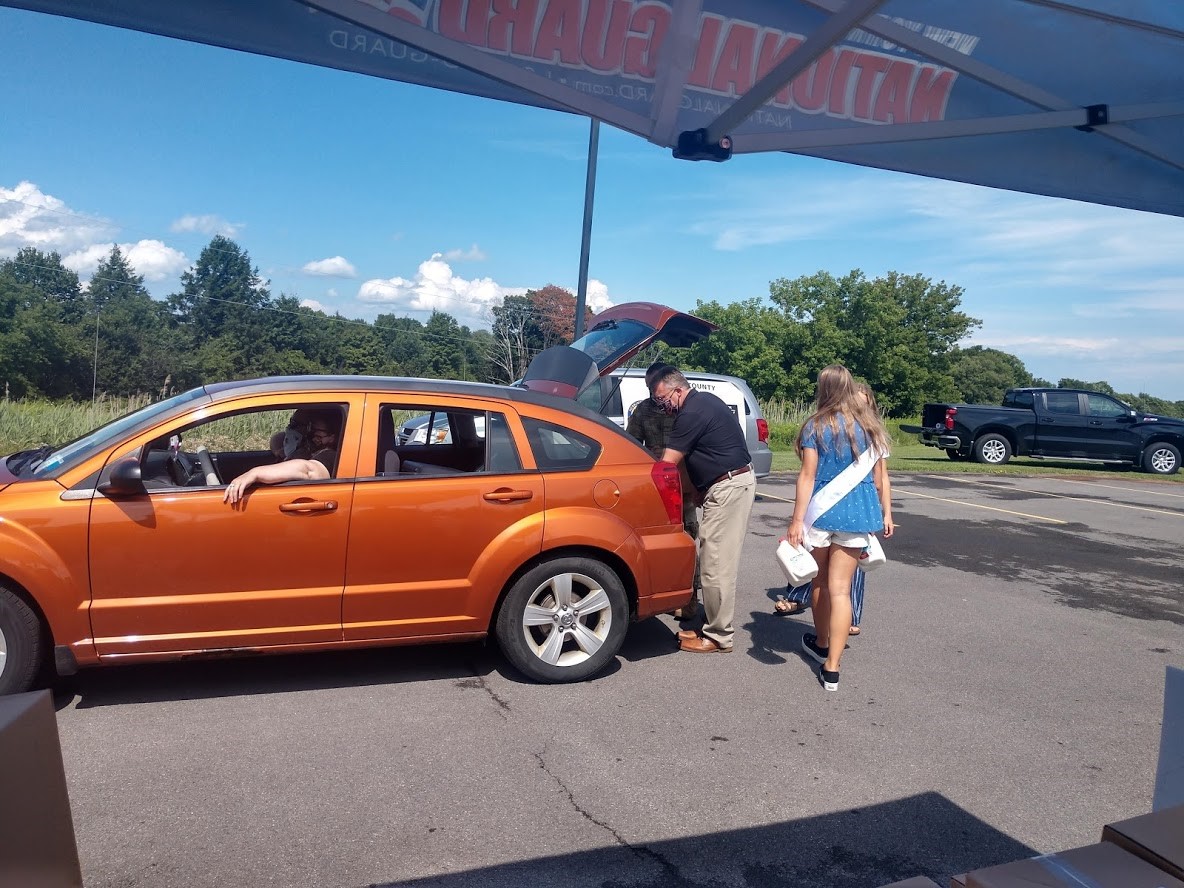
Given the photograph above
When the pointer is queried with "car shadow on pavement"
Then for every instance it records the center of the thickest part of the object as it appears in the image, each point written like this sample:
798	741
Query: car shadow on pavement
649	638
922	835
234	676
269	674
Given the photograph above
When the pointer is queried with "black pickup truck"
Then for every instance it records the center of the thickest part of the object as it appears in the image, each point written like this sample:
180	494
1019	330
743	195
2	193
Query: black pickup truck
1057	424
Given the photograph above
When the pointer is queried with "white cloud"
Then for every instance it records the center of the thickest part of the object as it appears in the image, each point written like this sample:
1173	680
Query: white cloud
335	266
596	296
1059	346
31	218
472	254
207	224
315	306
155	260
436	288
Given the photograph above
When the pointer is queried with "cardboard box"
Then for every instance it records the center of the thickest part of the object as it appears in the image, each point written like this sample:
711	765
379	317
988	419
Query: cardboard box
1169	775
37	848
914	882
1104	865
1156	838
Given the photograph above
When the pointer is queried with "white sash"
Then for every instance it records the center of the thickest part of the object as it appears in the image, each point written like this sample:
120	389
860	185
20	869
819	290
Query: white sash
839	486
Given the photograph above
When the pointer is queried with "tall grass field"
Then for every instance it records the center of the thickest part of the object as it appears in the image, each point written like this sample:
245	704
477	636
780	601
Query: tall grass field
25	424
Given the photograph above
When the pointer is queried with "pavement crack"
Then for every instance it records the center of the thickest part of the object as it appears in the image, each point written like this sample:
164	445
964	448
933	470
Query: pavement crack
642	852
478	682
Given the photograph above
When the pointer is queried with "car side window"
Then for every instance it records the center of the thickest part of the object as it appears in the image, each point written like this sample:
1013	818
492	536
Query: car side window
502	452
1019	399
1100	405
556	448
424	439
213	451
1066	403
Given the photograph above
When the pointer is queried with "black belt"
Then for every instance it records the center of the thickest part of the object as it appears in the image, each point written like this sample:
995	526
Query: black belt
732	474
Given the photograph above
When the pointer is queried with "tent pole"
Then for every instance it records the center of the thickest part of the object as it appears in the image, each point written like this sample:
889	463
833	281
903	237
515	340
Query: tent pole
586	236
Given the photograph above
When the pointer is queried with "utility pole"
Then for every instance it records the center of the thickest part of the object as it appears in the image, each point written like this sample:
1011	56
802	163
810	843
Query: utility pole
586	237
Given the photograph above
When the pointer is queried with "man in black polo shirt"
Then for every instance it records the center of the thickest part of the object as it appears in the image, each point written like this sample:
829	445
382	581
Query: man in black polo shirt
707	436
651	425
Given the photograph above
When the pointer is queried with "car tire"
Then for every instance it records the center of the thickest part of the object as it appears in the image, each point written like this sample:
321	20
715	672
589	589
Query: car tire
547	600
992	449
1161	458
20	644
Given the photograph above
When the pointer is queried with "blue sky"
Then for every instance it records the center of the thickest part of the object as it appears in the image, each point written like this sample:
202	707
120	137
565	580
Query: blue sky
364	196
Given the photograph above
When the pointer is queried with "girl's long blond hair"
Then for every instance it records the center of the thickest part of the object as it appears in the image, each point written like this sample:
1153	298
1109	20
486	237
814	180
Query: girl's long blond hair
839	395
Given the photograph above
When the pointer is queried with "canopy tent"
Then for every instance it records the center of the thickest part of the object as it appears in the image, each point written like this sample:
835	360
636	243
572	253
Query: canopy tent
1081	99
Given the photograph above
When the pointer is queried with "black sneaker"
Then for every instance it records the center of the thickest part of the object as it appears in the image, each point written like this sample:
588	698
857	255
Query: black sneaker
810	646
829	680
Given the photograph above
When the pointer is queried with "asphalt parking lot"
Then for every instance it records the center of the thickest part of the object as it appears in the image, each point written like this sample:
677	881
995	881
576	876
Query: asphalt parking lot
1004	700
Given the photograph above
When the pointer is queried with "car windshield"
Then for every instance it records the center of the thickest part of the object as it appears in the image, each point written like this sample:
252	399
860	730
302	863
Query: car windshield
53	460
607	342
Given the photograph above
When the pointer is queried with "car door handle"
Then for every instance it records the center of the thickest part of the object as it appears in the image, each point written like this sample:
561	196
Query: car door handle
508	496
310	506
1095	422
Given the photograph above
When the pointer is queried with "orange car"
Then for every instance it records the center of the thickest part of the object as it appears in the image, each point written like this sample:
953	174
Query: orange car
536	520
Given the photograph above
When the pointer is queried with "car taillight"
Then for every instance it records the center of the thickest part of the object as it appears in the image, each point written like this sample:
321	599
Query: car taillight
762	430
950	411
669	484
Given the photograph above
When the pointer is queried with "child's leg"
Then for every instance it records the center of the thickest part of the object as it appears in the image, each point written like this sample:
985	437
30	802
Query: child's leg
857	582
820	597
841	568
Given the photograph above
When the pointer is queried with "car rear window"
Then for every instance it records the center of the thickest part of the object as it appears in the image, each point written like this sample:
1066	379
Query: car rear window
560	449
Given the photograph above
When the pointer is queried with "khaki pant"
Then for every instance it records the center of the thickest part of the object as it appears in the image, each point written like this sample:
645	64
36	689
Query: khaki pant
726	508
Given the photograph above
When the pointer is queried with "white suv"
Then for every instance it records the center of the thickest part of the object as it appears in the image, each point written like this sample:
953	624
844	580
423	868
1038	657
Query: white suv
619	392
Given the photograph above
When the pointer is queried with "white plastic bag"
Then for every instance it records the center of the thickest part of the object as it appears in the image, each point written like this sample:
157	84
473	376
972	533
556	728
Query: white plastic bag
796	563
873	556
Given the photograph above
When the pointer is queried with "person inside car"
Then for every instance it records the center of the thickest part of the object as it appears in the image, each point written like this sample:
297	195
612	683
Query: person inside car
320	443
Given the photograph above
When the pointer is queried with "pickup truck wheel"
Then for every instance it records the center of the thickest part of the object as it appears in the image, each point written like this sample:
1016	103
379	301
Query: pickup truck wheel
1161	458
20	644
992	449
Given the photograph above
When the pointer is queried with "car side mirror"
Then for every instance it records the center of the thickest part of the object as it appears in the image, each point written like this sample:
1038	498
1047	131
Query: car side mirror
124	479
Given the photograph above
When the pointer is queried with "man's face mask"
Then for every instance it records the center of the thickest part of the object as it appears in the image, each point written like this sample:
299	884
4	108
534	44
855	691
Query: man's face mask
666	402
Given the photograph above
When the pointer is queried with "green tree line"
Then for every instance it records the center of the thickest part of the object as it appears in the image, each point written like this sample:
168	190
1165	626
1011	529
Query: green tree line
60	340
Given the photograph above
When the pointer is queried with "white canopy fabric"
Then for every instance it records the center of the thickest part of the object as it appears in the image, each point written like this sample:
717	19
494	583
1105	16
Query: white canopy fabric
1081	99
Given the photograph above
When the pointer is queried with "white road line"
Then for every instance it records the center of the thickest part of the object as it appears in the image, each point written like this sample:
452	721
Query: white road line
779	499
897	489
1116	487
1080	499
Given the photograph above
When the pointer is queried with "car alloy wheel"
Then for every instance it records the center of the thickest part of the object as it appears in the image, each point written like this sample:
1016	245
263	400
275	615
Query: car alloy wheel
564	620
20	648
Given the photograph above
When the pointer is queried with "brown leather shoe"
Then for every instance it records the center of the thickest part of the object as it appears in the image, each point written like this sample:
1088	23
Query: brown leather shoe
701	645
